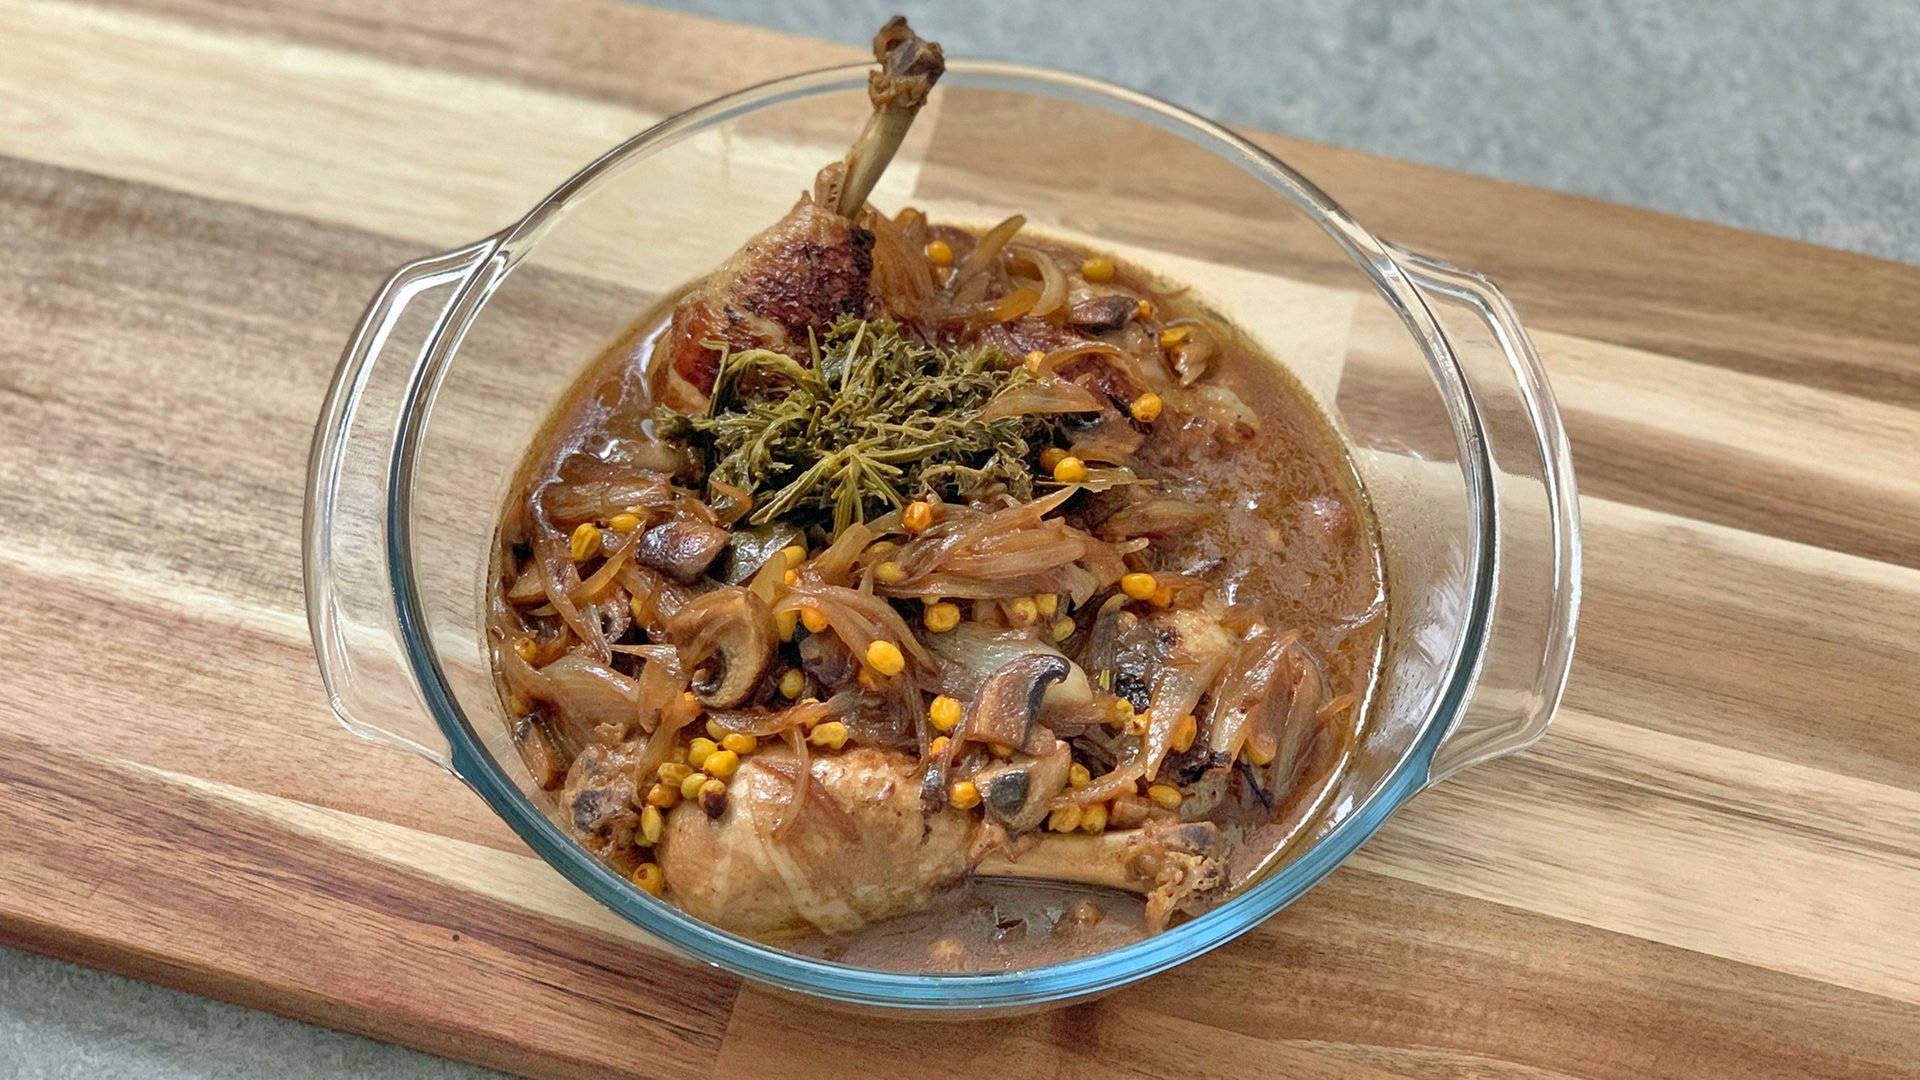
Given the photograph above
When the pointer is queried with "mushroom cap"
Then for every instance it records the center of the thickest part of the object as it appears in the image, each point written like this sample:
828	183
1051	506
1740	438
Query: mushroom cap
725	638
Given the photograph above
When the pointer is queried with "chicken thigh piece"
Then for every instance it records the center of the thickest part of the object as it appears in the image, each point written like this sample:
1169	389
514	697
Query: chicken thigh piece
859	851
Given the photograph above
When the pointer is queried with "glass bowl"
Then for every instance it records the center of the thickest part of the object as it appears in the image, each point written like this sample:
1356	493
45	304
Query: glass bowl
1422	367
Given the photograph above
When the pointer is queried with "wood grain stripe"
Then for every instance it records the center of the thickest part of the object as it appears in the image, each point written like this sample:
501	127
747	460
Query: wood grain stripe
210	884
1733	299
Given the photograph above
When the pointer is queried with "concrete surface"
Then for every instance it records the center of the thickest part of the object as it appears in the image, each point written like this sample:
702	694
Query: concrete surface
1791	118
62	1022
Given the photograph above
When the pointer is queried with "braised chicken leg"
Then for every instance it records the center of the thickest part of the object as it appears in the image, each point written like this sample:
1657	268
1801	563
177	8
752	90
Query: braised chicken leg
814	264
861	851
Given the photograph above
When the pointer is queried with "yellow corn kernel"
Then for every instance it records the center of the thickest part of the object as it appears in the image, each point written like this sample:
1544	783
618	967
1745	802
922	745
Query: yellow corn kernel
722	764
1022	611
650	878
890	573
869	678
884	657
675	773
698	751
792	683
623	522
1165	795
690	787
939	253
585	542
938	746
1033	360
813	619
1078	776
1000	751
1062	628
715	731
1258	758
832	735
881	547
1093	819
784	624
941	617
713	798
1174	335
1184	730
1145	310
1138	586
1051	457
918	516
1163	596
1070	470
739	744
641	609
1048	603
1146	408
1065	819
964	795
663	796
1120	713
1098	269
795	554
652	824
526	648
944	712
790	578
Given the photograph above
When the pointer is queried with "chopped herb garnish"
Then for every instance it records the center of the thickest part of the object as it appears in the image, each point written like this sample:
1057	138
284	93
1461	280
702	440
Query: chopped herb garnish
878	420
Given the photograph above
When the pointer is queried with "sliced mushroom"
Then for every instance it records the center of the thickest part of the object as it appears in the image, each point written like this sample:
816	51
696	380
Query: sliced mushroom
725	638
1010	700
681	547
1016	793
1101	314
827	660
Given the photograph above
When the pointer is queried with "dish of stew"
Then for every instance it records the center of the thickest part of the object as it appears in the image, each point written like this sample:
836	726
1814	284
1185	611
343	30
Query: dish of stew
934	595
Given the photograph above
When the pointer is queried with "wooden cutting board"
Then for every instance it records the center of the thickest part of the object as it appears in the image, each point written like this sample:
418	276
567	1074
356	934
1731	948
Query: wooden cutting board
1711	867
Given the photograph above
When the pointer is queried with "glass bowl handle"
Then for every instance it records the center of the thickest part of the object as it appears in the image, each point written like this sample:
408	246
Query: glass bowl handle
350	604
1536	514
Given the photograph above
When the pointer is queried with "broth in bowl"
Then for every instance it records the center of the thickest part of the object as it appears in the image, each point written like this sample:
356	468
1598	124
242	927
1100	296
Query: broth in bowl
935	597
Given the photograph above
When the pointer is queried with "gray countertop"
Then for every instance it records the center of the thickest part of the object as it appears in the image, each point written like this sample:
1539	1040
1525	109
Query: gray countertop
1797	119
1786	117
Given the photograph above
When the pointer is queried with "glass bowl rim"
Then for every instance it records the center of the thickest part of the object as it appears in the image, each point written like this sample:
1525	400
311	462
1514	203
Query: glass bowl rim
925	991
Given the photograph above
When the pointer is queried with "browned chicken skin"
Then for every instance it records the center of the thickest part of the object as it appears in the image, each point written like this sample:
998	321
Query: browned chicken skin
860	851
814	264
807	270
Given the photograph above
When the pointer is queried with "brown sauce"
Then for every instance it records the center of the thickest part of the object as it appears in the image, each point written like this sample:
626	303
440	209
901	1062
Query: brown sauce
1290	542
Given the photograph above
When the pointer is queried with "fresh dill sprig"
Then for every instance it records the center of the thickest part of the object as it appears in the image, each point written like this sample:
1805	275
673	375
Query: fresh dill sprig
878	420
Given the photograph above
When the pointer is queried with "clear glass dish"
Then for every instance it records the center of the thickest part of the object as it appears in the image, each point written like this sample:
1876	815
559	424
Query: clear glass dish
1423	368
